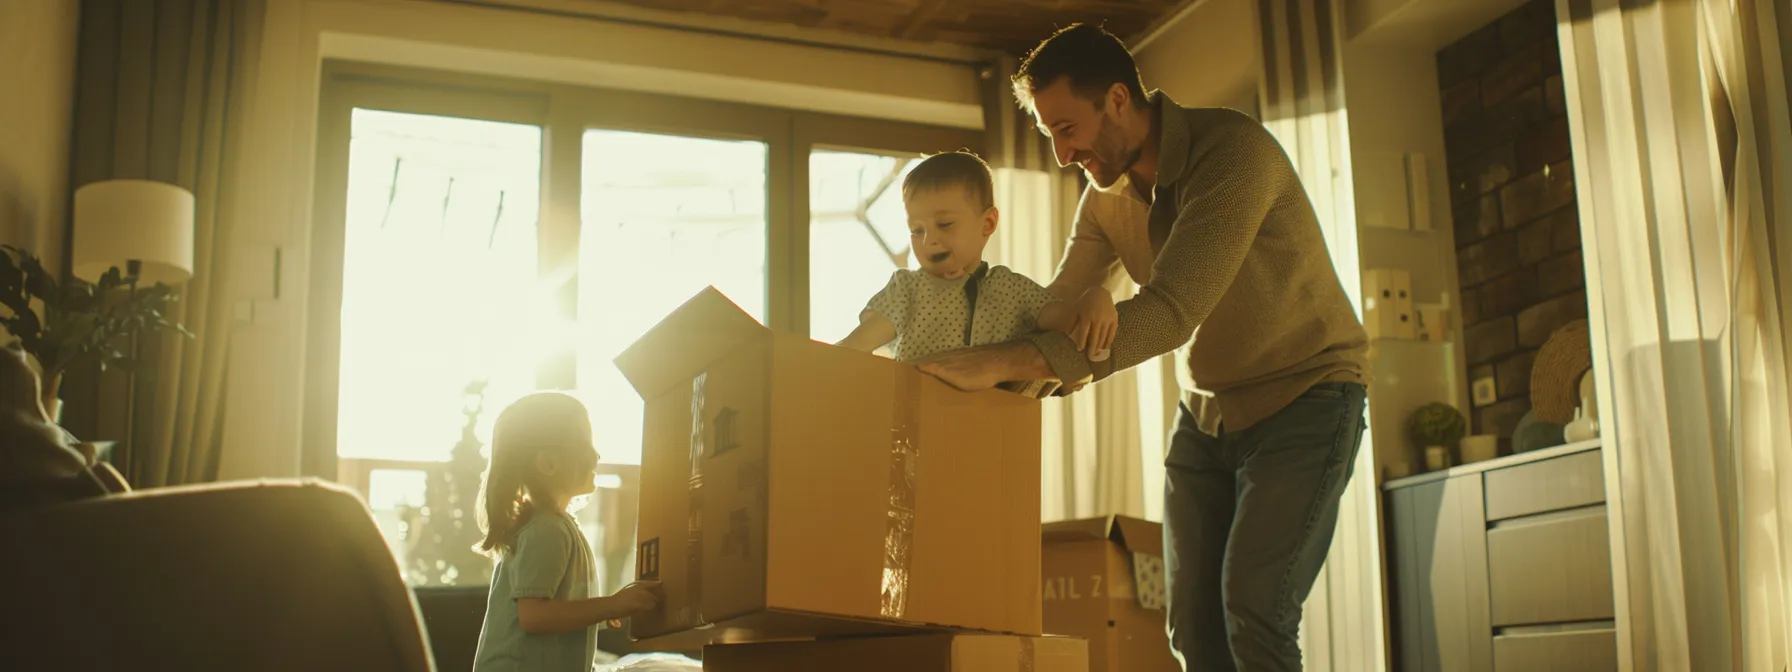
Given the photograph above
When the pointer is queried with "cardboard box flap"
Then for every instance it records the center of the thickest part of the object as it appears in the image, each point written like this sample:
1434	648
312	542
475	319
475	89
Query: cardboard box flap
1085	529
1135	535
707	327
1142	537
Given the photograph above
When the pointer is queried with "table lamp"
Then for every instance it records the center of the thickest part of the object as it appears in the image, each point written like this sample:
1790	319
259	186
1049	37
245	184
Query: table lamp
144	229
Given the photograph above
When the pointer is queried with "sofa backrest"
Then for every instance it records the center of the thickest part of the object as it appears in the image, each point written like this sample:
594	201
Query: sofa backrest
265	575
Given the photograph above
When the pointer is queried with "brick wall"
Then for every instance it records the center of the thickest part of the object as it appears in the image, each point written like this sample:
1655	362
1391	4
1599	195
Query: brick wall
1512	191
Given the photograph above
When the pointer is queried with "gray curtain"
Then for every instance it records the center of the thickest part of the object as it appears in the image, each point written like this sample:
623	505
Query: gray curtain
159	87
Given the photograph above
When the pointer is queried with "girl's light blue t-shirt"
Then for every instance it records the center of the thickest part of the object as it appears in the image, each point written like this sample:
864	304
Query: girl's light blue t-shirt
552	560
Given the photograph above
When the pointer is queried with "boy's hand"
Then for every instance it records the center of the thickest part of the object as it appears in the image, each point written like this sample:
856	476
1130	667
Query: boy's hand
1096	322
638	597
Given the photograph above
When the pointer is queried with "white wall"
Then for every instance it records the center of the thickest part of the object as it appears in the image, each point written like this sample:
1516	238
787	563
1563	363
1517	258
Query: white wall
37	75
268	367
1390	78
1210	57
1396	108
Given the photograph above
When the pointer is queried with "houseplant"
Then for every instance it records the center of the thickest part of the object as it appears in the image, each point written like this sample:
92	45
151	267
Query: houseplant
64	322
1436	428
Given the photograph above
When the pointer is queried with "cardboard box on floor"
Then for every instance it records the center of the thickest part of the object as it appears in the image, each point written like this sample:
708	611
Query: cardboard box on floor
961	652
1104	583
791	488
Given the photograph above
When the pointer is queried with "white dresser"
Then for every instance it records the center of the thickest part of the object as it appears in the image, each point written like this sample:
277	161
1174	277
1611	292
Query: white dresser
1502	565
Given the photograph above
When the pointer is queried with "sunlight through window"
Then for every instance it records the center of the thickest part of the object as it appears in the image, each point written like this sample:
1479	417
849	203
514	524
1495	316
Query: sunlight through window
858	235
664	216
440	248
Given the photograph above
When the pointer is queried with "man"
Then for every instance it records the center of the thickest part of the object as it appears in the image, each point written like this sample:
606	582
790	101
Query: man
40	463
1203	208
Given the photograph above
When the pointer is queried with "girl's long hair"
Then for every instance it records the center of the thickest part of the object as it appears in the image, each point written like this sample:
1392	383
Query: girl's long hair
538	422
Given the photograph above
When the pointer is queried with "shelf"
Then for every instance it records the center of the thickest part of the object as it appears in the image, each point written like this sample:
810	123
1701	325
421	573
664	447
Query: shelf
1495	463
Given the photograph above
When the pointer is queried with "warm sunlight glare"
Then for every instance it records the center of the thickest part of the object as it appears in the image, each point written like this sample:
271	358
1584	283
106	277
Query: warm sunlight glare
664	216
440	250
858	235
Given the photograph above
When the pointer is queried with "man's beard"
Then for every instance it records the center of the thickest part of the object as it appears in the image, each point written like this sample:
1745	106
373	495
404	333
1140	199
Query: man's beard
1112	157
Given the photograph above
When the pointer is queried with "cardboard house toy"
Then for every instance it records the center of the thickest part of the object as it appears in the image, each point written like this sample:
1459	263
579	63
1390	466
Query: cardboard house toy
791	488
962	652
1104	582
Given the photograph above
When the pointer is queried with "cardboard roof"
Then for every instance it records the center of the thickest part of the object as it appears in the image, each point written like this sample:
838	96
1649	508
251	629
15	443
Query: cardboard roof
704	329
1132	534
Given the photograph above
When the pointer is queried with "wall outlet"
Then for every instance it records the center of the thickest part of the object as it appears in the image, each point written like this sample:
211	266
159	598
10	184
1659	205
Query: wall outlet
1485	391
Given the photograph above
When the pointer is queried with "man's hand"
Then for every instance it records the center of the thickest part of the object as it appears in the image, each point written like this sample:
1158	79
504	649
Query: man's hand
984	367
1096	322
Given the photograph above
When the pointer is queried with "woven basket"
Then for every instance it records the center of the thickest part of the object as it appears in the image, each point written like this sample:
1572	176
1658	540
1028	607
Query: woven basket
1555	378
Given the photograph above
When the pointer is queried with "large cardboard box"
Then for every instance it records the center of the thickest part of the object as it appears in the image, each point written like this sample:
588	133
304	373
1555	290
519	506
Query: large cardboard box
791	488
1104	583
961	652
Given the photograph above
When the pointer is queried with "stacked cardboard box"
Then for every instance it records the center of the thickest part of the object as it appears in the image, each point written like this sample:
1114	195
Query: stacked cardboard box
954	652
1104	582
793	490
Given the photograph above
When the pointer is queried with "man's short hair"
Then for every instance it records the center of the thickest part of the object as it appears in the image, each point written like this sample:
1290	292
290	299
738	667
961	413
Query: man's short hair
950	169
1091	57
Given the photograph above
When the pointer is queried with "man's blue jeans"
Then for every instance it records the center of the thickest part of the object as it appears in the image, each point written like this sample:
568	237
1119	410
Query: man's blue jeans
1248	519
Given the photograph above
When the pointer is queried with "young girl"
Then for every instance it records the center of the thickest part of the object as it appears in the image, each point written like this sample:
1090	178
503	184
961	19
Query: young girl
540	614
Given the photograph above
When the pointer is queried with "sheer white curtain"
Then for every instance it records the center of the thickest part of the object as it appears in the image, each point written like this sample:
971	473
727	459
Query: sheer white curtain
1103	450
1681	135
1302	99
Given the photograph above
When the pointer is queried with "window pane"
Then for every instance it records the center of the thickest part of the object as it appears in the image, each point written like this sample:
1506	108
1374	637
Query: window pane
396	497
441	242
439	248
858	235
664	216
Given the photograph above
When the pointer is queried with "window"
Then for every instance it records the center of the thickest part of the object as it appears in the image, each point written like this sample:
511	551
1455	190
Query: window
858	234
444	259
441	229
664	216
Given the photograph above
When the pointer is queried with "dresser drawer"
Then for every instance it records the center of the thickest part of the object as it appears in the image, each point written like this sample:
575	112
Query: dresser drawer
1554	568
1574	651
1550	485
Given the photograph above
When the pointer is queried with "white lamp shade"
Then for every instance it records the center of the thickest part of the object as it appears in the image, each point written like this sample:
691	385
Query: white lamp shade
118	221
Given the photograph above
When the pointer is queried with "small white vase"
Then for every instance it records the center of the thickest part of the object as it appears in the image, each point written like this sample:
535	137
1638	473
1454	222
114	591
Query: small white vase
1582	428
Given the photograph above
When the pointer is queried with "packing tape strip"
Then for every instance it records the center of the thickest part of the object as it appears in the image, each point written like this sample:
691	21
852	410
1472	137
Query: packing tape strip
899	519
691	614
1028	656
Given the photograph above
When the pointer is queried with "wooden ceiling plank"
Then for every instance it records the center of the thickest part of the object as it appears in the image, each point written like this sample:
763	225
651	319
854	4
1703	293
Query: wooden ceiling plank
912	24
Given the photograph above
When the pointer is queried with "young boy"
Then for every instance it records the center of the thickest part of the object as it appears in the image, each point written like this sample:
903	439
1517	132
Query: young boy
957	300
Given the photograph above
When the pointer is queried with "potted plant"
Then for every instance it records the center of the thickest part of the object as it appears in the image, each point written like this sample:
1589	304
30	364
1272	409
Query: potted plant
61	323
1437	428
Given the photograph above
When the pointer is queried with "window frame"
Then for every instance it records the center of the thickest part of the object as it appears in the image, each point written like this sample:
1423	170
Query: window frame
564	112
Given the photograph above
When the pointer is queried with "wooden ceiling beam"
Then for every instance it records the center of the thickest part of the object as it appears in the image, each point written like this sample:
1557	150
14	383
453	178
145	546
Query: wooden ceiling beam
916	20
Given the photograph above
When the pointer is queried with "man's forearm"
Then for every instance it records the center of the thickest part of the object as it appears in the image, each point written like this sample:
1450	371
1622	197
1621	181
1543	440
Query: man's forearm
1022	361
1051	354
